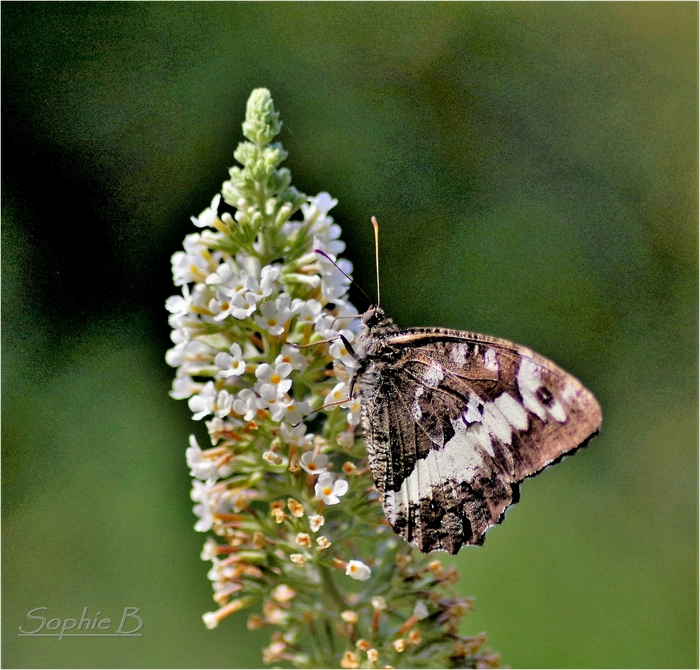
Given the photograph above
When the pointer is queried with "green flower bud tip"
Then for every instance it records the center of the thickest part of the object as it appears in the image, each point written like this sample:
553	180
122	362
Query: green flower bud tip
262	122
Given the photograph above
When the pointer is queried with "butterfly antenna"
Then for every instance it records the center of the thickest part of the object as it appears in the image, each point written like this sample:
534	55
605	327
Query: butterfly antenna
325	255
376	252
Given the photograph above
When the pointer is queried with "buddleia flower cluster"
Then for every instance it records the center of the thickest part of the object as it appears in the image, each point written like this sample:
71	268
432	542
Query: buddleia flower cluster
280	481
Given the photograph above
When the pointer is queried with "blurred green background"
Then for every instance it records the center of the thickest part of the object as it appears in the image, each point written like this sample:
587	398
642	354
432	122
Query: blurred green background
534	169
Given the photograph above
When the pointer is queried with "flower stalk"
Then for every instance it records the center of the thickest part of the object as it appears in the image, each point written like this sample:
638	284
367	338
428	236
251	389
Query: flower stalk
297	528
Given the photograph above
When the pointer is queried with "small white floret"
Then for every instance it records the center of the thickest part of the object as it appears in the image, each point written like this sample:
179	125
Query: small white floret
358	570
200	467
328	490
314	465
231	365
295	435
246	404
272	382
275	314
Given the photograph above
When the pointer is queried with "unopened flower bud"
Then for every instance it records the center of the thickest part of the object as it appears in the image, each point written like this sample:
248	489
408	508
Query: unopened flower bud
349	616
379	603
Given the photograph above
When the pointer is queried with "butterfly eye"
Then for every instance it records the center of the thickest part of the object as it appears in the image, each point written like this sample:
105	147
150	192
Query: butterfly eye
371	317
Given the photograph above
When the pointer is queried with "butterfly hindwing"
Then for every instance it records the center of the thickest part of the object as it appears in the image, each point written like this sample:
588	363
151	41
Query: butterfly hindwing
453	421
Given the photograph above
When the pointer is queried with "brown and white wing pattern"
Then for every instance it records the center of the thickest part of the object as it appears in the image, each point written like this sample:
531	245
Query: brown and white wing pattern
453	421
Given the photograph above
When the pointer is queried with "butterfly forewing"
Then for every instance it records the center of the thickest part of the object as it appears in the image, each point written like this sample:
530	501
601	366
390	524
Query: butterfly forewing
453	421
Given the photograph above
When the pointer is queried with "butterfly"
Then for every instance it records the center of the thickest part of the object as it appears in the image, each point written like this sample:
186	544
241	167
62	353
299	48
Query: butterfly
454	421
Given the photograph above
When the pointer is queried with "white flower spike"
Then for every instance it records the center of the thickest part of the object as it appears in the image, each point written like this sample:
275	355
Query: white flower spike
255	299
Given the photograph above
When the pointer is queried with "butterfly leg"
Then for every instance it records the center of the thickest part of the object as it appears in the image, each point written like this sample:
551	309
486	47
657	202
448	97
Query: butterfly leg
342	337
321	408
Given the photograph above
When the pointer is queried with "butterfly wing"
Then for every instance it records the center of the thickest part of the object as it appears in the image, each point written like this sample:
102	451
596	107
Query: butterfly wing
453	421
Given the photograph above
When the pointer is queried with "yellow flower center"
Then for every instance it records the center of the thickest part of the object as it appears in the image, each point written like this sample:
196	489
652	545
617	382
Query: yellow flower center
272	323
327	490
275	379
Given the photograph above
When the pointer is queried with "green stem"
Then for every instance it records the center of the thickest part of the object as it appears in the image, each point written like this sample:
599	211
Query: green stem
331	638
316	643
332	589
